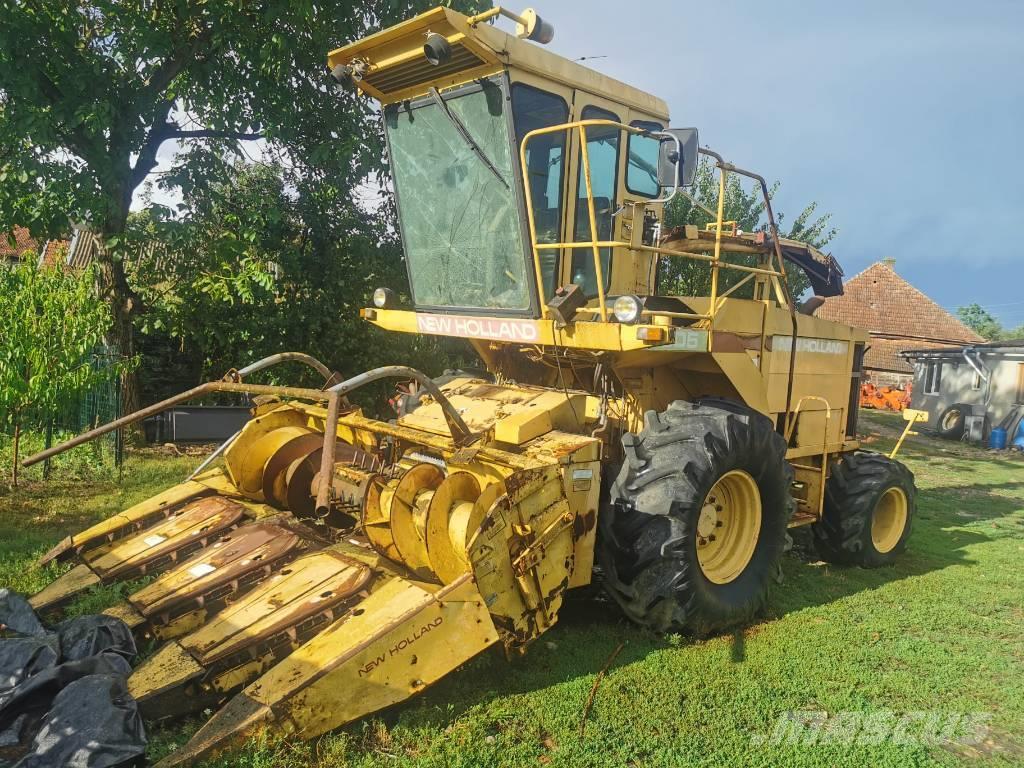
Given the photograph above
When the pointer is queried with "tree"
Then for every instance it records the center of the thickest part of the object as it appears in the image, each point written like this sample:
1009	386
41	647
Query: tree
51	324
90	90
979	320
262	261
746	207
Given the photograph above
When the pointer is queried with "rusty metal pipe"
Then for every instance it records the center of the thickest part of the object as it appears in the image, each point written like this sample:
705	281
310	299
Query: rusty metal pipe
323	492
778	257
460	432
280	357
152	410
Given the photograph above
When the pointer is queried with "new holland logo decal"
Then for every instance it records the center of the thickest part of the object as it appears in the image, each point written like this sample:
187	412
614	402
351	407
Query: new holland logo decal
494	328
804	344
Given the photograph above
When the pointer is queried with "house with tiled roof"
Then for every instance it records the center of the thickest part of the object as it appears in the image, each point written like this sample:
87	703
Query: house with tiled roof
898	317
75	253
48	253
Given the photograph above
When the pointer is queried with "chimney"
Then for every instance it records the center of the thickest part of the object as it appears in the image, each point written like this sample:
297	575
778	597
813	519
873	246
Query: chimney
890	263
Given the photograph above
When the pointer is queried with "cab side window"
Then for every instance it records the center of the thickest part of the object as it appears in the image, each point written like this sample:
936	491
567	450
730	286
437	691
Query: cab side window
533	108
642	161
603	151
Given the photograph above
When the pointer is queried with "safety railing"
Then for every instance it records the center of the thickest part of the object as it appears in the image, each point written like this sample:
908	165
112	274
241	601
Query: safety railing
775	274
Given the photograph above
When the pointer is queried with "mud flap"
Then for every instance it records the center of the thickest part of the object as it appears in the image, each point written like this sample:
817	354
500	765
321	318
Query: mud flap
401	639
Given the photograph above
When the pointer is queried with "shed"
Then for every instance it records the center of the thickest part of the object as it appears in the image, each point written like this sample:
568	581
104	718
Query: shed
953	383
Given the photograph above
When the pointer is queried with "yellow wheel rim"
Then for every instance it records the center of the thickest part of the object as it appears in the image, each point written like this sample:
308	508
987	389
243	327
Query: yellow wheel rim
889	520
728	527
950	421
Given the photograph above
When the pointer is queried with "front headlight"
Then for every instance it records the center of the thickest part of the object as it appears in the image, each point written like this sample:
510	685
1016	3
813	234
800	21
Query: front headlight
384	298
626	309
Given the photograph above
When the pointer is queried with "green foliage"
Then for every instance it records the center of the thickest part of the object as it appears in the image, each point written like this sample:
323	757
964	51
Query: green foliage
51	323
88	462
745	205
267	260
981	321
90	91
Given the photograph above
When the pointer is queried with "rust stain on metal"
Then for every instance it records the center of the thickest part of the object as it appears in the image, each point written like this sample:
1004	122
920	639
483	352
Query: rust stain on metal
584	523
161	545
237	558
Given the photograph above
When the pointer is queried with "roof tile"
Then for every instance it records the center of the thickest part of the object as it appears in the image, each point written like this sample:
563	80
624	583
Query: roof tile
884	304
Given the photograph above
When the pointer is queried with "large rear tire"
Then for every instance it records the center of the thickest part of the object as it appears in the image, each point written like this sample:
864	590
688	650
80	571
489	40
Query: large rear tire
869	511
695	523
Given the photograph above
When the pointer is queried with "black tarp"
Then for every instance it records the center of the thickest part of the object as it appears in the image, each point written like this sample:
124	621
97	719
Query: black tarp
63	692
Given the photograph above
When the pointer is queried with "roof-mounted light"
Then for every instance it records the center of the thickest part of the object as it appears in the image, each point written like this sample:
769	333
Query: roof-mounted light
437	49
347	75
529	24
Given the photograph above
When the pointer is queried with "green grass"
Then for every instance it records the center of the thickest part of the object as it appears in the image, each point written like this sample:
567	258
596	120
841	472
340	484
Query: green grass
942	631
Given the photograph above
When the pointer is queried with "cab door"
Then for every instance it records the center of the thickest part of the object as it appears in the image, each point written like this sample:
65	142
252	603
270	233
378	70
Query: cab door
604	146
540	103
623	170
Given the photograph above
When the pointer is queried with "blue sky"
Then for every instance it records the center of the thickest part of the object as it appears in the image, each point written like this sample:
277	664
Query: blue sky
904	119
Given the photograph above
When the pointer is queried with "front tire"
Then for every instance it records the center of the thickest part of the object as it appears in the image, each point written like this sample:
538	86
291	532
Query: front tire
870	502
696	521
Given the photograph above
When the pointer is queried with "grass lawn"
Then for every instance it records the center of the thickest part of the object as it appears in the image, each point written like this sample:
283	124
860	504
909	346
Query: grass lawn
943	632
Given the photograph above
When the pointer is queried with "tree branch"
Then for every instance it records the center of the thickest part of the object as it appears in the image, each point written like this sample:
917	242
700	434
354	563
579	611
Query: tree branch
167	70
212	134
160	130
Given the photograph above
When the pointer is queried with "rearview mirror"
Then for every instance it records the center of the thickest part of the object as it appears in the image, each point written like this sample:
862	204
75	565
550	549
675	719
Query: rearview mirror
675	170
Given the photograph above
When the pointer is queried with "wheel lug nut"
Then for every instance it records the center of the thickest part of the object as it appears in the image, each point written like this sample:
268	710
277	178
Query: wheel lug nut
718	507
718	523
711	537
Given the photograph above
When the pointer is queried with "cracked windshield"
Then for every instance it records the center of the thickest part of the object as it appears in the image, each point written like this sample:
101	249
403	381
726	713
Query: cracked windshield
453	173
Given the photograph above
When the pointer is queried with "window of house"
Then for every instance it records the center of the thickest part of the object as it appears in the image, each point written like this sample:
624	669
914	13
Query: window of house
603	151
932	378
976	381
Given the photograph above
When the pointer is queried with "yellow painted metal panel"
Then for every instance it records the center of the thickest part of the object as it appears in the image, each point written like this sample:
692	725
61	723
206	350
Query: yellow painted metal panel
75	581
405	639
611	336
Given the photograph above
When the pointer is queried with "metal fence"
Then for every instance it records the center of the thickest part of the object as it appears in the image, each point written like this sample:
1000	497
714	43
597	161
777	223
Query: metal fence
80	412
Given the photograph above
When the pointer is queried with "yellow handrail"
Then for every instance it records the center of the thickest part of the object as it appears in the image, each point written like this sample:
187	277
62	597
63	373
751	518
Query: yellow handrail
595	245
592	215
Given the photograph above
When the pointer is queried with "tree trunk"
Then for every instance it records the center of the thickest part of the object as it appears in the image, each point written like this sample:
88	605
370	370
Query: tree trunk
113	286
17	444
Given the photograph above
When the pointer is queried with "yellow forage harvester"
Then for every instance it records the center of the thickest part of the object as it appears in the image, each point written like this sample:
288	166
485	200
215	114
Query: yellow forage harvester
338	564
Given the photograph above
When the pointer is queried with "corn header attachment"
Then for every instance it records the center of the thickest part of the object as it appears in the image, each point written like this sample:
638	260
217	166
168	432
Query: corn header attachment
336	564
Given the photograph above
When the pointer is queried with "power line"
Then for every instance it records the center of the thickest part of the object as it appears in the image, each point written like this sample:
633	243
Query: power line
986	306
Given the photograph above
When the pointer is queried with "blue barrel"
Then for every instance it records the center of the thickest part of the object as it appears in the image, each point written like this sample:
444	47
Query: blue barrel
1018	441
997	439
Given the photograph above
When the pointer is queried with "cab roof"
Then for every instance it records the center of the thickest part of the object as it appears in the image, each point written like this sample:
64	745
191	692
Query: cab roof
396	68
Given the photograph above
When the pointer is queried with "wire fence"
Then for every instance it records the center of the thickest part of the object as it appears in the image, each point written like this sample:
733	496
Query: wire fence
76	414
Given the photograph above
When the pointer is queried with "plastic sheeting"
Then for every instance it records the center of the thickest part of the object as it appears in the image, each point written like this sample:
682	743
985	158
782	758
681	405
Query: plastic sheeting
63	693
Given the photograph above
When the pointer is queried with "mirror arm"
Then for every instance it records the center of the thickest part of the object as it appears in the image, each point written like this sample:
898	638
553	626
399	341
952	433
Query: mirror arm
675	176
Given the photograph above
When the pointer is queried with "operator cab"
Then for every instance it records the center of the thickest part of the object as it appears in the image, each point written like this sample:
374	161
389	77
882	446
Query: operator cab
459	95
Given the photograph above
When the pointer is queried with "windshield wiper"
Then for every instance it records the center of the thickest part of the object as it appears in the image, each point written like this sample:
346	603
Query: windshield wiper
467	137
